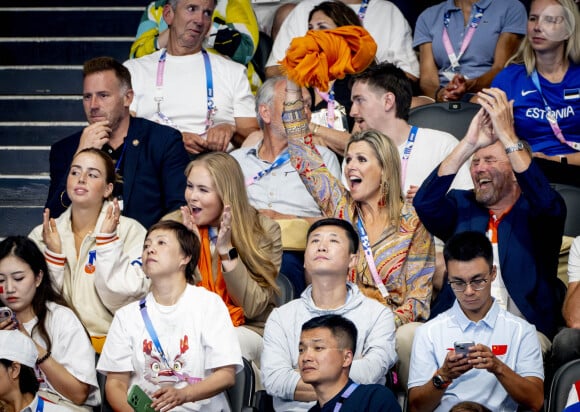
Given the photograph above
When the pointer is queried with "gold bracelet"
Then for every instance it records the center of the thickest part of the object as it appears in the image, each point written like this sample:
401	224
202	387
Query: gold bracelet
315	128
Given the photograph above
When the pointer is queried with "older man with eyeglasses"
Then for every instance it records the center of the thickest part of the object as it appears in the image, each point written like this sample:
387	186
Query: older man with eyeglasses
475	351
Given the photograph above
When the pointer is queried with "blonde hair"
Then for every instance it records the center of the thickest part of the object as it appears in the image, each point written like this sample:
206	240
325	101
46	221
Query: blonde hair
525	54
247	231
388	156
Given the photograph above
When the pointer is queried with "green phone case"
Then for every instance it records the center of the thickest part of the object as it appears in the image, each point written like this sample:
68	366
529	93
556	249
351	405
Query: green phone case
139	400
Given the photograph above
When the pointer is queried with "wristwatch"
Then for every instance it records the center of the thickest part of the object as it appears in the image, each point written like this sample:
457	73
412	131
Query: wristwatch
232	254
564	160
515	148
439	382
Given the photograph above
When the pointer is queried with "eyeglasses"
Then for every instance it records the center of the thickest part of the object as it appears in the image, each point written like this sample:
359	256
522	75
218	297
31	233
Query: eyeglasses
460	286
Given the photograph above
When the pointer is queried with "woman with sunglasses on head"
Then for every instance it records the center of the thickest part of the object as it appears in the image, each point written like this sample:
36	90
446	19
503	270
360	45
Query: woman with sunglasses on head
241	249
90	246
543	80
178	343
65	365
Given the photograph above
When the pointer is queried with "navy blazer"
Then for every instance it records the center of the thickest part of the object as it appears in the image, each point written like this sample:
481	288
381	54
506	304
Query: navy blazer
529	239
153	171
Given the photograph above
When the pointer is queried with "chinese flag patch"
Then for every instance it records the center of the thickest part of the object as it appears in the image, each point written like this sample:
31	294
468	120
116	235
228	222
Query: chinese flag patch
499	349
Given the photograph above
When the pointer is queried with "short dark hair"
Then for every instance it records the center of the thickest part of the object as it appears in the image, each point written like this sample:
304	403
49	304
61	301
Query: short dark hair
105	63
466	246
27	380
468	406
341	328
331	221
188	241
390	78
338	12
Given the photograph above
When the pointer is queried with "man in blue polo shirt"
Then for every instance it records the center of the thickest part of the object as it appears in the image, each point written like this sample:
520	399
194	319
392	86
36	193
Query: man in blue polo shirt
501	366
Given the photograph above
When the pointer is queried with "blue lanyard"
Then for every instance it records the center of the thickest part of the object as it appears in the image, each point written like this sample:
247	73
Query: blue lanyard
40	404
118	165
147	320
279	161
407	152
211	108
362	11
351	388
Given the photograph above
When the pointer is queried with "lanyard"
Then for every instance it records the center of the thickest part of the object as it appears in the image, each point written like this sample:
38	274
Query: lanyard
364	239
330	103
407	152
454	59
351	388
551	115
40	405
363	10
155	339
118	165
279	161
211	109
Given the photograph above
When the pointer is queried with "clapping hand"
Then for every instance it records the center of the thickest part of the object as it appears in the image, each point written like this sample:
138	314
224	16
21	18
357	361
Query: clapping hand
112	217
224	238
50	235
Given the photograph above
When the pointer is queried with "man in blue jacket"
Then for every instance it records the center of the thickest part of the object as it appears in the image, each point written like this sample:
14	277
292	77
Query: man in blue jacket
513	203
149	158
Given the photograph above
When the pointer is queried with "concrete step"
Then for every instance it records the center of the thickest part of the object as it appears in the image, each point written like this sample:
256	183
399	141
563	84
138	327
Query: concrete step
70	21
41	80
19	51
41	108
36	134
25	161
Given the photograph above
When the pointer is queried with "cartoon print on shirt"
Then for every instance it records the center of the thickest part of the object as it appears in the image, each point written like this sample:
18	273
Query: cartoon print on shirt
157	372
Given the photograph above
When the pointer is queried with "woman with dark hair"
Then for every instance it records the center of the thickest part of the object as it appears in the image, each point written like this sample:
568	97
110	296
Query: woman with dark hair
178	343
18	383
65	366
331	128
90	246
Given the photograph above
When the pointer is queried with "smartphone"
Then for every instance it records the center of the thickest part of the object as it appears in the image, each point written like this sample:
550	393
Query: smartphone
6	313
139	400
463	347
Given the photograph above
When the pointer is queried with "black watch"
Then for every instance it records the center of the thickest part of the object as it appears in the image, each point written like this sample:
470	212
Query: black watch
439	382
232	254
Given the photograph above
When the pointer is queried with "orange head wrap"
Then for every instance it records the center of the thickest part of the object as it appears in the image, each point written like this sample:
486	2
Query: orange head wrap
325	55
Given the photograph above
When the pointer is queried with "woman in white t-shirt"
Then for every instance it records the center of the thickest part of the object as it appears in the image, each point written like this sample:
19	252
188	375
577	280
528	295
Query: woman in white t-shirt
65	367
178	343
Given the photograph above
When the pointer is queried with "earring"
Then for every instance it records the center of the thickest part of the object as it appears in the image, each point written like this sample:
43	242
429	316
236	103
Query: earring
384	189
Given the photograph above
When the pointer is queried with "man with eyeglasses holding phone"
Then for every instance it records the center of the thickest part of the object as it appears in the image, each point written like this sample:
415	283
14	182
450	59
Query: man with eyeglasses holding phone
475	351
513	204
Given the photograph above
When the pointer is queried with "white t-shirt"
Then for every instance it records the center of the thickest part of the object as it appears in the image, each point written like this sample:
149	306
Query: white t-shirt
184	90
574	262
383	20
430	148
71	347
196	335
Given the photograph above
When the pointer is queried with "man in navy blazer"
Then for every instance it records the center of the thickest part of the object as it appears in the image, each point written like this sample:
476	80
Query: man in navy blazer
513	203
150	158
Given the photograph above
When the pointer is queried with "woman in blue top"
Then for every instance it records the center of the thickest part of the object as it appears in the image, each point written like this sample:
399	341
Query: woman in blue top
463	44
544	83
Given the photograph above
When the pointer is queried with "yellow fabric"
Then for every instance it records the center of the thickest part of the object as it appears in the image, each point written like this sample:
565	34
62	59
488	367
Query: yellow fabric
98	343
293	233
321	56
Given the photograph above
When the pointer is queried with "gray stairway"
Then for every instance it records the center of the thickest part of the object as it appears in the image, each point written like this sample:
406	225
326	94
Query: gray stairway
43	45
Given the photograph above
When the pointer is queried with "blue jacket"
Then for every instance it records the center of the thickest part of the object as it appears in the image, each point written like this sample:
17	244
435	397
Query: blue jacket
153	171
529	239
